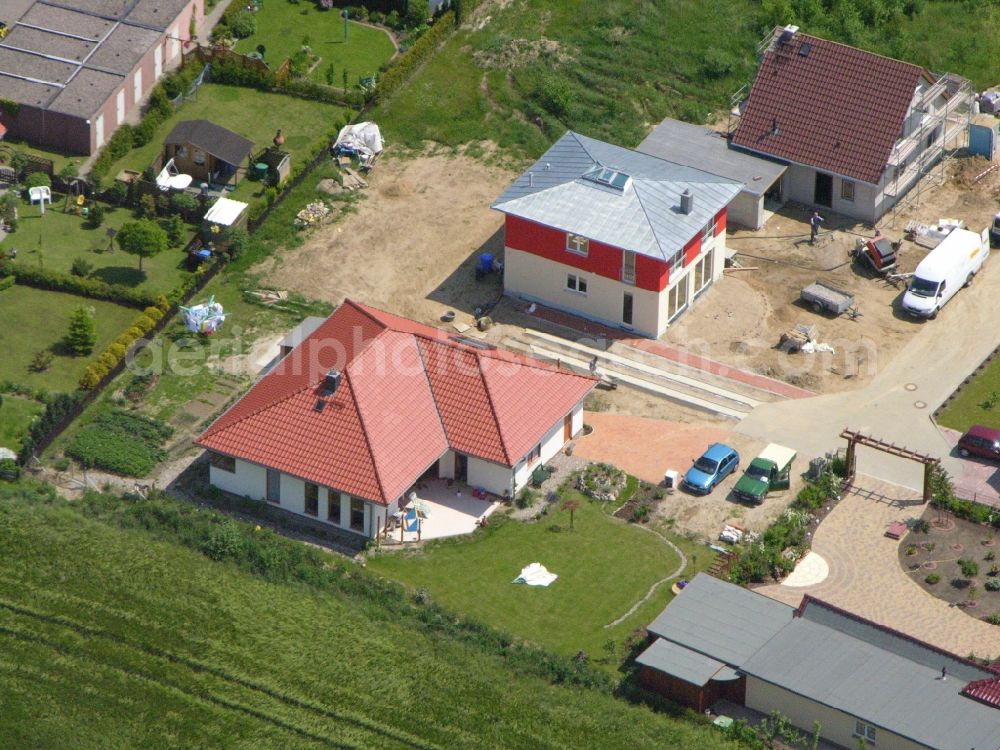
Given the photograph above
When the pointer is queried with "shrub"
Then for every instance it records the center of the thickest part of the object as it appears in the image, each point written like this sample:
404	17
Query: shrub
969	568
117	193
921	526
9	470
526	497
184	204
120	442
225	542
81	267
243	25
992	584
993	619
641	514
153	313
176	230
41	278
147	207
41	360
95	216
144	323
933	578
6	282
143	238
37	179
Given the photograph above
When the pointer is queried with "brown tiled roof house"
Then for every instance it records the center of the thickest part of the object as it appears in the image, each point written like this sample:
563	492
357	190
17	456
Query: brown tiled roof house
857	129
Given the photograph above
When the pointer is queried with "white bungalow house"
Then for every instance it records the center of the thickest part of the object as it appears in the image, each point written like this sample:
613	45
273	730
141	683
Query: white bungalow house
370	403
856	129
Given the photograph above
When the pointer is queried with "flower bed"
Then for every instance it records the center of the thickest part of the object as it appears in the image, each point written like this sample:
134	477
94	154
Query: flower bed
601	482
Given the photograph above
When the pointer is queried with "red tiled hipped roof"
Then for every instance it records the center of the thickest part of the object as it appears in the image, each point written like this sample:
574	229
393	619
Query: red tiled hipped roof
834	107
408	393
984	691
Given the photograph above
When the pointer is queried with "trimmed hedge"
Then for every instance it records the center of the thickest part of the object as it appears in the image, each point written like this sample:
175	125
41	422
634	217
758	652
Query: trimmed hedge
403	68
55	281
7	282
115	352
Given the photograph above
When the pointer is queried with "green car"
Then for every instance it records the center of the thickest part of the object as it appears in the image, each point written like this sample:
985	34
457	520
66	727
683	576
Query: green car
771	470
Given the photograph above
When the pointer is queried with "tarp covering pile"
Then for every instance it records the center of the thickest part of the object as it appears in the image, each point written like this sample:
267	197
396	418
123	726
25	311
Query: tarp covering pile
362	140
535	575
205	318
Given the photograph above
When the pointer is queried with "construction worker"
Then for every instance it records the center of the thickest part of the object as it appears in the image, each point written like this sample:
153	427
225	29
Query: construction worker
814	222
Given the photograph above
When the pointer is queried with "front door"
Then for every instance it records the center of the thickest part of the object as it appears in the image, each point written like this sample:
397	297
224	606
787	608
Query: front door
461	467
823	194
99	131
568	427
273	486
120	108
627	309
137	92
157	62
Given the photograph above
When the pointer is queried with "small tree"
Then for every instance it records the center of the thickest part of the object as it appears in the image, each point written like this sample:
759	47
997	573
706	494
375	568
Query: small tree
143	238
174	226
41	361
82	334
95	216
147	207
37	179
570	505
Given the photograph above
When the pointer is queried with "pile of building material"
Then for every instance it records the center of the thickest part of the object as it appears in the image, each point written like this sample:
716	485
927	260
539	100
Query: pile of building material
795	339
314	213
931	236
352	180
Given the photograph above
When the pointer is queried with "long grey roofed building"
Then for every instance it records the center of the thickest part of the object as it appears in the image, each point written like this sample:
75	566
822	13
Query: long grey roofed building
617	196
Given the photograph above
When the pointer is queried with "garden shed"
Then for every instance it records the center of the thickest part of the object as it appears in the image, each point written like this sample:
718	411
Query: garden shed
206	151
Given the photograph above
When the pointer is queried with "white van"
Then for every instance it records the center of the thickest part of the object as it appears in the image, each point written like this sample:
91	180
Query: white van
946	269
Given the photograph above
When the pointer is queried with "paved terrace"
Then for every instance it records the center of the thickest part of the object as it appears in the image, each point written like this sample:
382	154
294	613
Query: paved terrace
865	576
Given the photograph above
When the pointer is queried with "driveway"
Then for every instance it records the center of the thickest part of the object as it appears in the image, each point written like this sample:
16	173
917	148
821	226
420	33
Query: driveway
897	404
865	576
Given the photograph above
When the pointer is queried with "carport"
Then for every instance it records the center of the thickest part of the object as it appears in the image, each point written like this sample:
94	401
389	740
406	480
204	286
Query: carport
706	149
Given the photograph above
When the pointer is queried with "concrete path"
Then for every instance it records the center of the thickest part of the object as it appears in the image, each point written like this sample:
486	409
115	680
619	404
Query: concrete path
896	405
866	578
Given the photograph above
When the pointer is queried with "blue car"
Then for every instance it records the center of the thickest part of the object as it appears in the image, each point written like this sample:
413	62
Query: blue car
715	464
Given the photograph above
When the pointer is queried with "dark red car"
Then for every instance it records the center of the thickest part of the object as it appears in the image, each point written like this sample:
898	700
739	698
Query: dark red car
980	441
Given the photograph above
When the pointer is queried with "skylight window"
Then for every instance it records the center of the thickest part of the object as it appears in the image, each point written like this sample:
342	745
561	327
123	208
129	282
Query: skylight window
611	178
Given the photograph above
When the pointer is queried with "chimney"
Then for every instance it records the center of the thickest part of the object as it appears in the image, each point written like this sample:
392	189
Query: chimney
687	202
774	126
531	179
788	33
331	382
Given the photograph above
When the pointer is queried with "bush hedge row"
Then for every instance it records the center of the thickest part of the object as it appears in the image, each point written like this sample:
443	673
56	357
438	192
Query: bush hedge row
55	281
115	352
7	282
57	407
423	48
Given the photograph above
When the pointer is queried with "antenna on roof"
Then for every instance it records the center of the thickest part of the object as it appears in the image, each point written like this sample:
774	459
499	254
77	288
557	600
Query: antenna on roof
531	179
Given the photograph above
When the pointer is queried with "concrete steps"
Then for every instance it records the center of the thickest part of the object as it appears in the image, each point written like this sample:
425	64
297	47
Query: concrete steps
681	387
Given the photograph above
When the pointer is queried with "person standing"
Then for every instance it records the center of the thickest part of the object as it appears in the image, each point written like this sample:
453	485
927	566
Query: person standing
814	222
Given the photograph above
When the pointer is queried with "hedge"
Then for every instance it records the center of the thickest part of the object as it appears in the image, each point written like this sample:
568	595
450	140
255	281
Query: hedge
115	352
55	281
403	68
6	282
57	408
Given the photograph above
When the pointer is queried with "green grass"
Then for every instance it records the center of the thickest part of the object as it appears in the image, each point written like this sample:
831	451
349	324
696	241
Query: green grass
15	416
623	66
971	405
114	639
58	160
55	240
255	115
34	319
282	27
604	566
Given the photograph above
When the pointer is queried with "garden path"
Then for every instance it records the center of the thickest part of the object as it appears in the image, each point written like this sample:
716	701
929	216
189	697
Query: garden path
867	579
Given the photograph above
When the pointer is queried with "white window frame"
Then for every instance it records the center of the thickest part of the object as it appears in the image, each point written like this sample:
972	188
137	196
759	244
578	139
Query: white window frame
704	267
576	283
628	267
674	291
677	261
847	190
577	244
864	730
708	233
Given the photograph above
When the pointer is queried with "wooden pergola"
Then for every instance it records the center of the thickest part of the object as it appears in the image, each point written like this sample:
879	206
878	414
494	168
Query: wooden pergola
855	439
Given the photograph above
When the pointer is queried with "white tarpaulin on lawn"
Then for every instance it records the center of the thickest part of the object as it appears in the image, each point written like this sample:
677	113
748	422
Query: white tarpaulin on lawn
535	575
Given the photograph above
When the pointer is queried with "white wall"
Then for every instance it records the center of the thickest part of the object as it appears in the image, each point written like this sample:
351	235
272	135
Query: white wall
800	185
293	494
837	726
746	210
490	476
249	480
446	465
577	419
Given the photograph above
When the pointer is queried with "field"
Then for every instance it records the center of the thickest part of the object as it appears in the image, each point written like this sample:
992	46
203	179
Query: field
255	115
604	565
36	320
521	73
977	403
114	639
15	416
55	240
282	29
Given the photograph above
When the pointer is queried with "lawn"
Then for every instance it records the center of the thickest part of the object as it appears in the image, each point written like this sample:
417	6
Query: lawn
37	320
532	69
120	637
282	28
604	565
255	115
55	240
976	403
15	416
58	160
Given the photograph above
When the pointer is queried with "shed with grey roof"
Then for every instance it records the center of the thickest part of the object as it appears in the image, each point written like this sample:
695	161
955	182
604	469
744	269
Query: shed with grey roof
708	150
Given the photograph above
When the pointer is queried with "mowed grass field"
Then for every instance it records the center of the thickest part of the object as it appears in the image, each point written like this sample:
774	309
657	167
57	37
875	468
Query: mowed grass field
282	27
55	240
15	416
978	403
605	566
521	73
111	639
37	320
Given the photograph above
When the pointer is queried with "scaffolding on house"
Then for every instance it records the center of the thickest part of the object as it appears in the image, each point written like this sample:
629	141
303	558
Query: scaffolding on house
930	165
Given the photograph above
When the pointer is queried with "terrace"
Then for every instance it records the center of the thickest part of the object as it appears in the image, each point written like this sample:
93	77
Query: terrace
443	508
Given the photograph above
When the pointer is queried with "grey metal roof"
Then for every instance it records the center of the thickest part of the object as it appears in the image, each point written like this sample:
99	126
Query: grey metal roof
720	620
708	150
28	39
67	21
870	682
157	13
220	142
124	48
682	663
302	331
644	217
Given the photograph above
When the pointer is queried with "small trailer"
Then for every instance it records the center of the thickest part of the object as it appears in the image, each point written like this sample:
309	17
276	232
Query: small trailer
823	297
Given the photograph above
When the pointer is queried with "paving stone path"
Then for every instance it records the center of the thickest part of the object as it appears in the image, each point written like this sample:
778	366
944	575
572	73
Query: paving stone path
866	577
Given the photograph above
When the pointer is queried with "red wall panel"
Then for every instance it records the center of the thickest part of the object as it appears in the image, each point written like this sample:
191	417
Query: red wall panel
692	249
602	260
